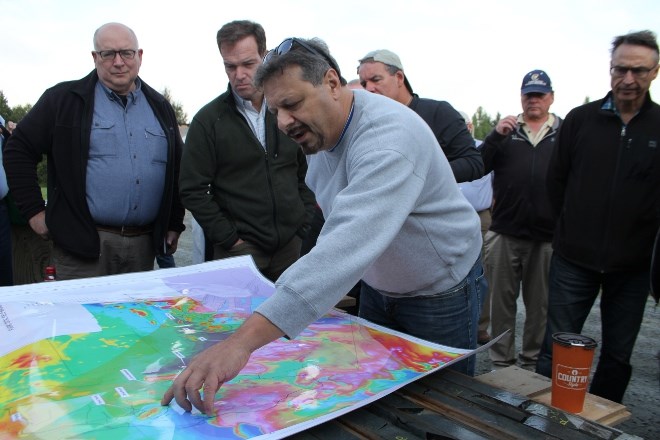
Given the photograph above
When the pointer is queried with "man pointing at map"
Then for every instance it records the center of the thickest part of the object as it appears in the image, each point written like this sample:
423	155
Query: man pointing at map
394	217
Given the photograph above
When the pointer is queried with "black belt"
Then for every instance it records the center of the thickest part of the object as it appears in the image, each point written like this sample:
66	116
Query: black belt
126	231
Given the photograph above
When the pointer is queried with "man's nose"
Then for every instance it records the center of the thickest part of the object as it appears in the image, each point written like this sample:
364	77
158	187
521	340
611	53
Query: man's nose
284	120
241	72
118	60
628	78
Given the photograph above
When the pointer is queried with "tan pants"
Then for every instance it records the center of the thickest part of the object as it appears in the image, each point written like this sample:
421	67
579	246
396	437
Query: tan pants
119	254
512	264
270	265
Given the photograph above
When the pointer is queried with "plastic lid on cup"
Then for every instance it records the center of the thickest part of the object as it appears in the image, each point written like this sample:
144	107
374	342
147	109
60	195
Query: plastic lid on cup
574	340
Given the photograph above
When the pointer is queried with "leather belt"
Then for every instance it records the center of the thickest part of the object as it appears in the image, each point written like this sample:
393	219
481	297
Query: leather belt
126	231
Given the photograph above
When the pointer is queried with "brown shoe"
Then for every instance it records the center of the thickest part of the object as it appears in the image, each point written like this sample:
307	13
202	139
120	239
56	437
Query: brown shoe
483	337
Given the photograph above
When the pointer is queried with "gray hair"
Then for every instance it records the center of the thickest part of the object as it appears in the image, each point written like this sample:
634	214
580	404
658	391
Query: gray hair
639	38
313	67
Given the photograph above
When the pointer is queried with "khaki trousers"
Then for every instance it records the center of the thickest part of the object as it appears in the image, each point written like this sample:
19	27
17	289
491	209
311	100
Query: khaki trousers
119	254
512	265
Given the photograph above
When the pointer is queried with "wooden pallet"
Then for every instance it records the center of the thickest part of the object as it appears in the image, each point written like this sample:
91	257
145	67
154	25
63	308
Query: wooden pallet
539	389
449	405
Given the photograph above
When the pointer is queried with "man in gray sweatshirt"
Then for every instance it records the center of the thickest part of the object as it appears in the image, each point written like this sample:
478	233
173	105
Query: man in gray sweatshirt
395	218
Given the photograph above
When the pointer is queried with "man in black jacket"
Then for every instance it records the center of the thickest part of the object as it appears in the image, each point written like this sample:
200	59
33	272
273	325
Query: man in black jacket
242	178
518	245
381	72
604	184
113	149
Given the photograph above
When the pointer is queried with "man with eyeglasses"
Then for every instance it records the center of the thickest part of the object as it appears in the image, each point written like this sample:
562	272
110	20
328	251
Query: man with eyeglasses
381	71
395	218
241	178
518	244
604	184
113	148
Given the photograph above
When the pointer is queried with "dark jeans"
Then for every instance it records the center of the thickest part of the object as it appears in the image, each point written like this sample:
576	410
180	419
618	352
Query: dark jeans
165	261
6	276
448	318
573	291
314	230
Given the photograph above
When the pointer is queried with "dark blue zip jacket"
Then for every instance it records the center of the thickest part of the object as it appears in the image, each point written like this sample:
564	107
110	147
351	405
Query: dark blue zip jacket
521	207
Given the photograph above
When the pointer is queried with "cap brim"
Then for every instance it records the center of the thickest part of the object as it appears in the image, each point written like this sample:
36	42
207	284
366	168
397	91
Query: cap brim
534	89
407	84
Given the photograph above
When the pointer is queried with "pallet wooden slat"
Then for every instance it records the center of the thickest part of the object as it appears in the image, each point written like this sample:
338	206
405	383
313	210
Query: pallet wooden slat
539	389
449	405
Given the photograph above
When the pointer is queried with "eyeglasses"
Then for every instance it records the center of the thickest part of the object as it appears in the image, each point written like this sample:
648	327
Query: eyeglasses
125	54
637	72
286	45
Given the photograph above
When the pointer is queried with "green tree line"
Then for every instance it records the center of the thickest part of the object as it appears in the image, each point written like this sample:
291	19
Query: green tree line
483	123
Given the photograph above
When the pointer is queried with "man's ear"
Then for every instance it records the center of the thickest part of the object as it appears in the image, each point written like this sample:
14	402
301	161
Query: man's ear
333	80
400	77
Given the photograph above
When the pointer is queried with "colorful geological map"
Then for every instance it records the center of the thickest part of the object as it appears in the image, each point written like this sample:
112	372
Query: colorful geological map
98	369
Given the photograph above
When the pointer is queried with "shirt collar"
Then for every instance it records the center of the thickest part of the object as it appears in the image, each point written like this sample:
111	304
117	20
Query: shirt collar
132	96
549	122
246	104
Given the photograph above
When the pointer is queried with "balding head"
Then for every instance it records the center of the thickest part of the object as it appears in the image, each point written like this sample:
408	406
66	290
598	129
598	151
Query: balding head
112	28
117	57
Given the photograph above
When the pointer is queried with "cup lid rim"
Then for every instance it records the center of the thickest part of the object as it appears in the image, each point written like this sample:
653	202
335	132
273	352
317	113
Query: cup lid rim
574	340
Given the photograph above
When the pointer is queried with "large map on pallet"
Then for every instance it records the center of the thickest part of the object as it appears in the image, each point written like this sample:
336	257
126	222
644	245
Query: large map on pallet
91	358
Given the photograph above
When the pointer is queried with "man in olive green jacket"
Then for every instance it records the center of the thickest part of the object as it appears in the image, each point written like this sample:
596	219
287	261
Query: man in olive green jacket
241	178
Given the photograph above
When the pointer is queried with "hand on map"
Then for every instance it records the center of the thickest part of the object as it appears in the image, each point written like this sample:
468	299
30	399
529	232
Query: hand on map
207	372
218	364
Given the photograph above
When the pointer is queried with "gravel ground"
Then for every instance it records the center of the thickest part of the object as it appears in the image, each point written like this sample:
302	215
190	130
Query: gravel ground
642	397
643	394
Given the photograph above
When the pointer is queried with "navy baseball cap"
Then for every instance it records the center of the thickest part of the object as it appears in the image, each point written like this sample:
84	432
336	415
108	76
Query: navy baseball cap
536	81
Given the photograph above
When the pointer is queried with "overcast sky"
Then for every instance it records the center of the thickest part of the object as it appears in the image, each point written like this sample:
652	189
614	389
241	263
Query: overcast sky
470	53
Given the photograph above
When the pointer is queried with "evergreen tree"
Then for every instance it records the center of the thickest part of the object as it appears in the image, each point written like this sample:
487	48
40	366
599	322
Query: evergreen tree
483	123
5	111
18	112
181	116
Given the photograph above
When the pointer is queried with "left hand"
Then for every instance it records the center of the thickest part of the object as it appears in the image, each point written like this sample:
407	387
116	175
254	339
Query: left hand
172	240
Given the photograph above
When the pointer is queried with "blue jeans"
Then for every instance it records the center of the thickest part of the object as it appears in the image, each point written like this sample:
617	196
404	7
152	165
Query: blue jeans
6	273
165	261
573	291
449	318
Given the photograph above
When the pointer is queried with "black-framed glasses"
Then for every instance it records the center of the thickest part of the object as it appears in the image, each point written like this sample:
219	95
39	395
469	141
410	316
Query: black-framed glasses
637	72
286	45
125	54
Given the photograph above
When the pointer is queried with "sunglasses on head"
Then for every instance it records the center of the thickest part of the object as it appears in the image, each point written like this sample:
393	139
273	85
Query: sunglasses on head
286	45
